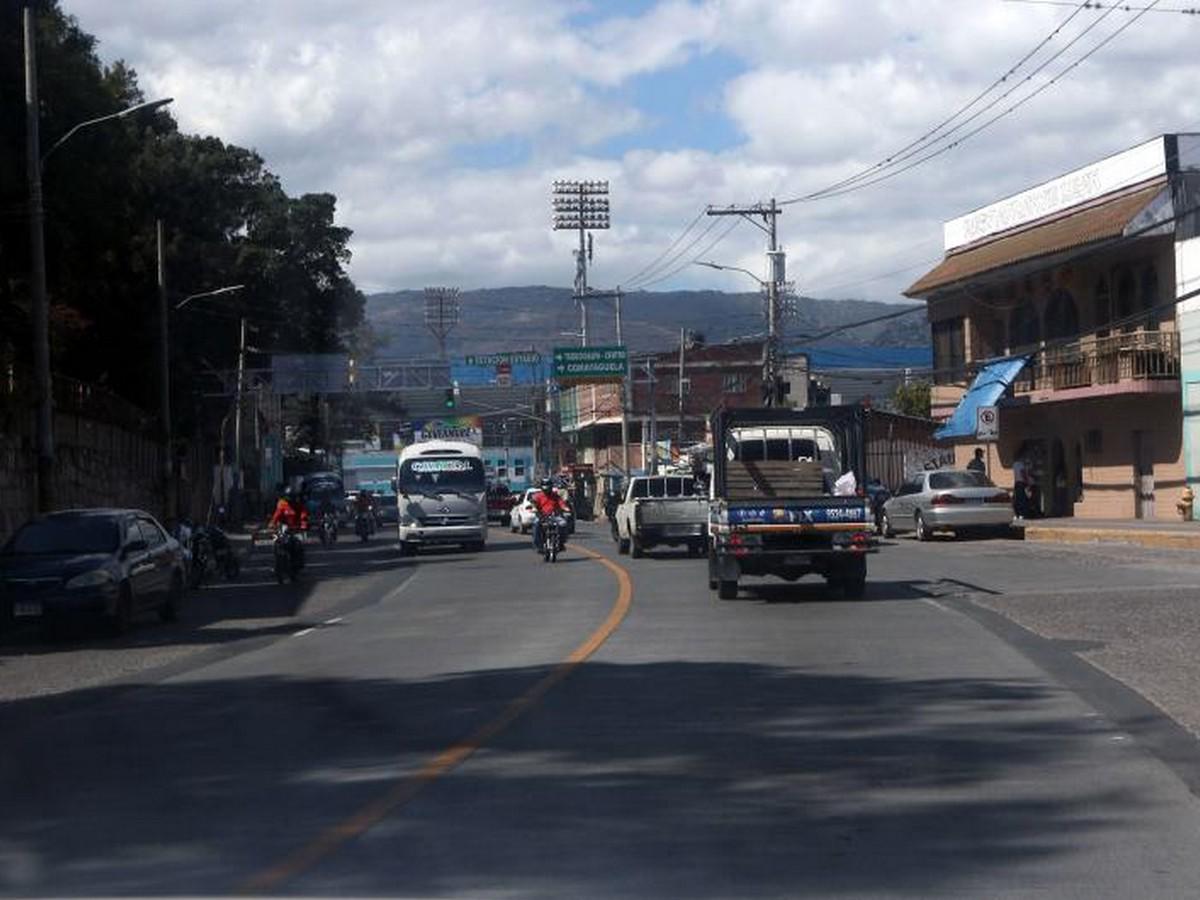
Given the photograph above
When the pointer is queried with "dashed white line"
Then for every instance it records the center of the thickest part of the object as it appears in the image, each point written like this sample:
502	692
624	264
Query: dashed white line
303	632
332	621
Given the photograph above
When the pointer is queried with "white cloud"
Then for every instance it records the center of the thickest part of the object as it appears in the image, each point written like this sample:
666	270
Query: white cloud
406	111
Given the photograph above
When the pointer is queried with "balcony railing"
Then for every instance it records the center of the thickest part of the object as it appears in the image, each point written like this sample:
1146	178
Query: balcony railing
1092	361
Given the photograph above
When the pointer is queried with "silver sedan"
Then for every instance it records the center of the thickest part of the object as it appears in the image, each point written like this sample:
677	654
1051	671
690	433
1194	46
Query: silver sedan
948	500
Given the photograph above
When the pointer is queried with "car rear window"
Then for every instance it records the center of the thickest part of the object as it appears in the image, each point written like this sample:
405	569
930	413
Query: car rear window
941	481
90	534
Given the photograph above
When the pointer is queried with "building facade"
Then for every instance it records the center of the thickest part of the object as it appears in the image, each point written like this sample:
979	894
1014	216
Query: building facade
1068	307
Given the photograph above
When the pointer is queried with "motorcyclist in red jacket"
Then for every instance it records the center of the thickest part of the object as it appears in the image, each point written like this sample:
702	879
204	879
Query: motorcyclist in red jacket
290	511
548	503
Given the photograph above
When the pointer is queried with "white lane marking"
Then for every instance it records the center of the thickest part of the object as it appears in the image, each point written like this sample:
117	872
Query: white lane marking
934	603
332	621
303	632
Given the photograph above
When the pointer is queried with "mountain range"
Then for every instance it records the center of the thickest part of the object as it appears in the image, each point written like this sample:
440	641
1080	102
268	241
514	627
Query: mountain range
493	320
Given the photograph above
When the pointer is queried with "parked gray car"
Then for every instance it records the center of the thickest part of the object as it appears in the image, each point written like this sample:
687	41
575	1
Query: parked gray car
948	500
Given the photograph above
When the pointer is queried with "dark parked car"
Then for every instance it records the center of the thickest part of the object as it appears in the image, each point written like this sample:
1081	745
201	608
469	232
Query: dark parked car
104	564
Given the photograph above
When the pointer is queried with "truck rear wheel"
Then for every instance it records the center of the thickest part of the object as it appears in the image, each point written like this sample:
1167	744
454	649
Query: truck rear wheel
727	590
635	548
622	545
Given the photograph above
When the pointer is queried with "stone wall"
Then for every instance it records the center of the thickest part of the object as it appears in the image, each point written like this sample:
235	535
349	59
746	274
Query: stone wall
104	455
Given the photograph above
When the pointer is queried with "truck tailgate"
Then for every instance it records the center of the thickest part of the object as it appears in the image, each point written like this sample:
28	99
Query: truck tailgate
671	510
816	513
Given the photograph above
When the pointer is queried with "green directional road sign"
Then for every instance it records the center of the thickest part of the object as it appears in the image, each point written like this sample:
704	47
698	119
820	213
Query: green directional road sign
523	358
590	365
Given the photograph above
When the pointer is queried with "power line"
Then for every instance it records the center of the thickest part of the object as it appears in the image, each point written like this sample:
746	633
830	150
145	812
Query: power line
667	263
825	289
690	260
914	147
654	262
1123	7
889	172
987	124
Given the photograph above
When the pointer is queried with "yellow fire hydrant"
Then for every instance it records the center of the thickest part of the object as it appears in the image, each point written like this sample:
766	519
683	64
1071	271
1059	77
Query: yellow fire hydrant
1184	504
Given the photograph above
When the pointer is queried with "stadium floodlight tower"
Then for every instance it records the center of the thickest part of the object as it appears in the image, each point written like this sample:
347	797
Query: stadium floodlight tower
581	206
441	314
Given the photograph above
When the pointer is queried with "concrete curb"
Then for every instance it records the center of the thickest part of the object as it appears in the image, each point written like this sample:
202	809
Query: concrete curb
1154	540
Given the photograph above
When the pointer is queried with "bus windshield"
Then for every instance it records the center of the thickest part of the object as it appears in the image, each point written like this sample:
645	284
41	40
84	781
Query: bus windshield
434	475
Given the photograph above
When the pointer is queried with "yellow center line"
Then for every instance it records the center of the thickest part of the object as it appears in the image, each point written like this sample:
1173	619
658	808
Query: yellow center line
405	790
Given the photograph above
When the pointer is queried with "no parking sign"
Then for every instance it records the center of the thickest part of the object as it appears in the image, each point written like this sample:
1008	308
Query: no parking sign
987	423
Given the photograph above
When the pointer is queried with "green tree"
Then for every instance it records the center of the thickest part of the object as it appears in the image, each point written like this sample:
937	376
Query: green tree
912	399
226	219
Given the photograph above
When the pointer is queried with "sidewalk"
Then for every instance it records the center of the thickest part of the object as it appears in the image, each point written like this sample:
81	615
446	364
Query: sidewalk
1158	534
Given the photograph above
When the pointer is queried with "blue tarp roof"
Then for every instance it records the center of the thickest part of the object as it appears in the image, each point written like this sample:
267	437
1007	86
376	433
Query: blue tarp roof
988	387
848	357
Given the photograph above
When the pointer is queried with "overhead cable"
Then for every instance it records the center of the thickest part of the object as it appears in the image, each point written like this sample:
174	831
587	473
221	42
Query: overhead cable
915	146
887	176
654	262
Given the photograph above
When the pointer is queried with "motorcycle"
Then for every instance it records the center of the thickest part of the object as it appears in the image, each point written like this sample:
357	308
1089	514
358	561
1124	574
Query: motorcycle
554	539
328	532
223	554
201	551
288	554
363	526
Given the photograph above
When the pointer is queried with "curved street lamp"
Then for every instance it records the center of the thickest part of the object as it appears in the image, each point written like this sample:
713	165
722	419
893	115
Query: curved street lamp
39	303
147	106
712	265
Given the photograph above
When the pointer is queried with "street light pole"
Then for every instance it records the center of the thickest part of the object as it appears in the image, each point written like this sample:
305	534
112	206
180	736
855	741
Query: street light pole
39	301
40	306
164	375
164	378
237	421
771	358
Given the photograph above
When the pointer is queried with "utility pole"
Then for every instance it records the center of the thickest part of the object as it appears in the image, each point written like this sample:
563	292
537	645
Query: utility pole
581	206
652	381
624	393
237	421
682	345
772	395
40	304
164	376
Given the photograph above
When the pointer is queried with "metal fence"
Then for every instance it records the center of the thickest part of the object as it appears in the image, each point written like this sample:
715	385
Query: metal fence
1092	361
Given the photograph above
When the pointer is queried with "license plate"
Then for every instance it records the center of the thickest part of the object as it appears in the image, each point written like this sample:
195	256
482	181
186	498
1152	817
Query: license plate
797	559
27	609
679	529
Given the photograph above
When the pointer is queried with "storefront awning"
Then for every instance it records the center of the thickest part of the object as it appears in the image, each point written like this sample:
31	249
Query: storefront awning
988	387
1101	221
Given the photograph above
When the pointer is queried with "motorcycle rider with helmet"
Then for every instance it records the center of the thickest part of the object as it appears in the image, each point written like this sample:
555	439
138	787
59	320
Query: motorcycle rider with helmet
548	503
290	511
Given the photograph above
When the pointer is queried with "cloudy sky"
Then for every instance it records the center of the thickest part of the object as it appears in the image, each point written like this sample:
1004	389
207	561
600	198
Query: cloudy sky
440	126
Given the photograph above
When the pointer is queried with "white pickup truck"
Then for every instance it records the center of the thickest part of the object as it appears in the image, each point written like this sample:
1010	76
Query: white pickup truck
661	510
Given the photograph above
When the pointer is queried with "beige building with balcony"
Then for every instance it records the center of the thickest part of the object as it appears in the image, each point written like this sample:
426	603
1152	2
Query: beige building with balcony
1059	306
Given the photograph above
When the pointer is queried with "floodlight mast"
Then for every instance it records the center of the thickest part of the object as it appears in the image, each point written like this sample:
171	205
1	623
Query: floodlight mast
581	206
441	314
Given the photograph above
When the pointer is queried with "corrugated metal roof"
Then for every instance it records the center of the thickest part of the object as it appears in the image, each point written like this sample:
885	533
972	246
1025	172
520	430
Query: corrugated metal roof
1097	222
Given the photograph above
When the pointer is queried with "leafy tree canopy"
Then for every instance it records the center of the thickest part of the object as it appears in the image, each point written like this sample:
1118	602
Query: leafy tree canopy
226	217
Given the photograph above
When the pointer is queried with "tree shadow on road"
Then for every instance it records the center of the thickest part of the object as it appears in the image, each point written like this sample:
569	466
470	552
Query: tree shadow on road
668	779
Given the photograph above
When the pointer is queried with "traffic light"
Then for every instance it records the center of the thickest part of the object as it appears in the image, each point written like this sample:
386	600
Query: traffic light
450	400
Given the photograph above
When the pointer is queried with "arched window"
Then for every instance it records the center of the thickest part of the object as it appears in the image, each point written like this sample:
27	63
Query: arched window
1062	317
1024	330
1101	303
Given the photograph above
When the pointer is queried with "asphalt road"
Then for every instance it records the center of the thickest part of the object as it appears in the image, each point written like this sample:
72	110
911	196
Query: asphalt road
492	726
